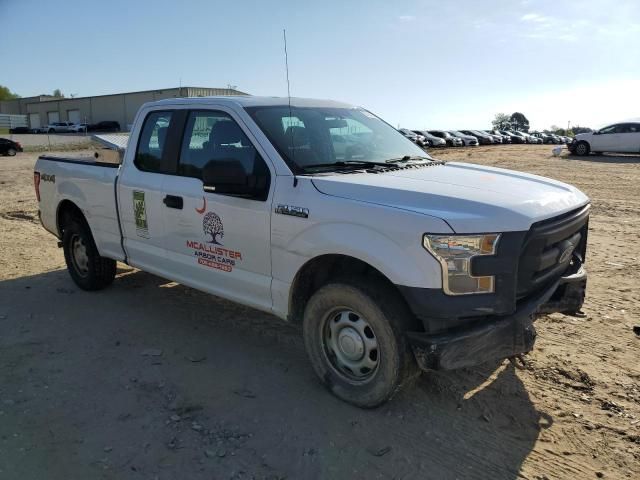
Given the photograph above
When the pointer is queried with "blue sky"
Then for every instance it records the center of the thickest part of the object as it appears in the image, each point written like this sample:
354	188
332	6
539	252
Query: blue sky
416	63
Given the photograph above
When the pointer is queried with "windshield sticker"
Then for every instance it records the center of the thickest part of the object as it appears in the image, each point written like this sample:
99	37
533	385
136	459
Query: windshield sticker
211	252
140	214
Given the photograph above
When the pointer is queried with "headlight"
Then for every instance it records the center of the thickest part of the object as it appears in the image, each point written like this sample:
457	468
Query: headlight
454	252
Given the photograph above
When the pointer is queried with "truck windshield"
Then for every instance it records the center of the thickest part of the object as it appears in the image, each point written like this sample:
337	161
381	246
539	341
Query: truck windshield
313	136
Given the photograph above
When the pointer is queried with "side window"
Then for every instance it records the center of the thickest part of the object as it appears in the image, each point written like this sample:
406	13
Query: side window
213	140
152	141
607	130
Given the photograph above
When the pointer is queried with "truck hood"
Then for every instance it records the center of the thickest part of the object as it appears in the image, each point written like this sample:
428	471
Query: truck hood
470	198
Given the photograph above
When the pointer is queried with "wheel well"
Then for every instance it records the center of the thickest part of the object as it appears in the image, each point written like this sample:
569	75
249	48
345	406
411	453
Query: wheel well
66	210
321	270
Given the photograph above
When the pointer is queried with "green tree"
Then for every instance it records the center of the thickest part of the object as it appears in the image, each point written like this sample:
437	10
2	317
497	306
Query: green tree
58	93
501	121
6	94
519	122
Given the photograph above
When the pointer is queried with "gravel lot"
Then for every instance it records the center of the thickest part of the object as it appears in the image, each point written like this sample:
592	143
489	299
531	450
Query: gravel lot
149	379
44	141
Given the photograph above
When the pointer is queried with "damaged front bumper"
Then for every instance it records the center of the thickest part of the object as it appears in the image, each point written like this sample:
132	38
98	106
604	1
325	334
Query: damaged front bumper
497	337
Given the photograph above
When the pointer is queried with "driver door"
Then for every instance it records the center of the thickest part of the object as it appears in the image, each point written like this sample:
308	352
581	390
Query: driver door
219	243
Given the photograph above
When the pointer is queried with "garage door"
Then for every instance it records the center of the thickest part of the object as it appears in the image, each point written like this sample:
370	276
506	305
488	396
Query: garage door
53	117
73	116
34	120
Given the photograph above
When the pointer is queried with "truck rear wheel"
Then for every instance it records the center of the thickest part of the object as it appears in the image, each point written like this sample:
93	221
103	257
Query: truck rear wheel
87	268
355	339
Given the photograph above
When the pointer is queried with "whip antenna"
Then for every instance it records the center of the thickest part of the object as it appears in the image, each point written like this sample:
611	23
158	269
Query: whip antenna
286	64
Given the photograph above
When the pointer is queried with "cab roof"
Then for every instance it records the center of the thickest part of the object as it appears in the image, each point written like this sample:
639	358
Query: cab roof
251	101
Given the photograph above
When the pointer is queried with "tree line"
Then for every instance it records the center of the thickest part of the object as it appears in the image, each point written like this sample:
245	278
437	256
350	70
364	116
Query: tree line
518	121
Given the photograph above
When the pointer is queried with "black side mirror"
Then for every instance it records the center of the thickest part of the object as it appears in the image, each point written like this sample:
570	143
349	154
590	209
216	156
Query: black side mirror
227	176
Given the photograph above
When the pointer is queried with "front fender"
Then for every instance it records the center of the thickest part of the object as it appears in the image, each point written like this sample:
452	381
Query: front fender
402	264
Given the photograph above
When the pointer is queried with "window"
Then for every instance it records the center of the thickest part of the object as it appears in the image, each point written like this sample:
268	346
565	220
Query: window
608	130
213	136
317	137
629	128
152	142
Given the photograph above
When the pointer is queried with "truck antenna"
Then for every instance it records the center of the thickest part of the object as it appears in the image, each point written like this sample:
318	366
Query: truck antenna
286	64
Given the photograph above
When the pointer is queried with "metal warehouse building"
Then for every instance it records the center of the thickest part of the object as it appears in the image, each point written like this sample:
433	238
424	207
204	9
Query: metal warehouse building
120	107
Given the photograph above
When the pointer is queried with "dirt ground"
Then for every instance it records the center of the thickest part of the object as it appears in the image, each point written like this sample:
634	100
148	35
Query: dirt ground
152	380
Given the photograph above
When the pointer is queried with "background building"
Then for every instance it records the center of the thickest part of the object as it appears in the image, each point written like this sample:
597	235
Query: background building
120	107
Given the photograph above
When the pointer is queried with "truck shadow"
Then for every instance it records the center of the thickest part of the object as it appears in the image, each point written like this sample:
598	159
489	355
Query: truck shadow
607	158
167	373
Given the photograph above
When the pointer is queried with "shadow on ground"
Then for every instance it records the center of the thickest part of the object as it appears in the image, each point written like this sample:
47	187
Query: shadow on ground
607	158
149	379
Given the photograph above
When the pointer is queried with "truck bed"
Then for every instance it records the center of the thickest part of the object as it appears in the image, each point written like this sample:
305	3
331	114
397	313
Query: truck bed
90	185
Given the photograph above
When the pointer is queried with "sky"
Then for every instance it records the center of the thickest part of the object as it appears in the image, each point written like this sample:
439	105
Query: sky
416	63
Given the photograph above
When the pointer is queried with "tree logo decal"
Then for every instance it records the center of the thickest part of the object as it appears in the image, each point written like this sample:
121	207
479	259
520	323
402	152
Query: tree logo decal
212	225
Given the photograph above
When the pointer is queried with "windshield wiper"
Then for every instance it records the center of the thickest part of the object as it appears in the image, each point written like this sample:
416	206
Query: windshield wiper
347	163
407	158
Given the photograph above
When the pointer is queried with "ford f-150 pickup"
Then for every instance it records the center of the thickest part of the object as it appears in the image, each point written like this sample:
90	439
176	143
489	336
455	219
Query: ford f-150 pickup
321	213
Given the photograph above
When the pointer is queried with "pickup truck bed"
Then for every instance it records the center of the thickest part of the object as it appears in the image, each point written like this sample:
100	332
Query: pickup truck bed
87	182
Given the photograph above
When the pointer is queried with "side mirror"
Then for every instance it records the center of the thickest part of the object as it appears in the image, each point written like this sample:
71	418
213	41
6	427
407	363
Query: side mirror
227	176
596	132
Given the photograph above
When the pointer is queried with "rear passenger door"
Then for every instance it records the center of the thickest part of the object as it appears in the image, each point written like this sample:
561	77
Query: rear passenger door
140	200
630	137
219	243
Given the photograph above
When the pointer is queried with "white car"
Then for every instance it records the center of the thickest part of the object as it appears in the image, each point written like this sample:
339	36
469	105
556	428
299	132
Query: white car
617	138
79	127
59	127
389	259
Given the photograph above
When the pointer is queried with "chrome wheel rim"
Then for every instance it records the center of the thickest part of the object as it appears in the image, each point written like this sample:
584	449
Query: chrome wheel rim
581	149
79	255
350	345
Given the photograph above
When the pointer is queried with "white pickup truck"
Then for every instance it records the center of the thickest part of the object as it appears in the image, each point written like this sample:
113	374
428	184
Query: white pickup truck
321	213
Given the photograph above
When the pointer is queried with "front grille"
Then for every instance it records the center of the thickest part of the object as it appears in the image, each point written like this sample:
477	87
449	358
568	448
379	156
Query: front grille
542	261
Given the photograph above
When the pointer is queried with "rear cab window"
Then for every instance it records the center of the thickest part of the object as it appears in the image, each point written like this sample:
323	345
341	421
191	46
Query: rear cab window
151	143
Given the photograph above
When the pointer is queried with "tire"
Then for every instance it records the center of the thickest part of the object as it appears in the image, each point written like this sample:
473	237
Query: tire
12	152
336	311
582	148
87	268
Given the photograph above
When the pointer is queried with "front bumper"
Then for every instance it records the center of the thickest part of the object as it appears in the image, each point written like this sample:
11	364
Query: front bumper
497	337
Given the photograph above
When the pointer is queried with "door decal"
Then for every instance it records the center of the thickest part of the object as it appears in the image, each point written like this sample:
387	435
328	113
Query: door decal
211	253
140	214
204	206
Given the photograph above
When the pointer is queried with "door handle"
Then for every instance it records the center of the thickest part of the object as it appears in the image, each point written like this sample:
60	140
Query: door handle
173	201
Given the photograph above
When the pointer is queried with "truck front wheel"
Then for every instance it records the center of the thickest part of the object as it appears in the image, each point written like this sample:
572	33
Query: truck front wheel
87	268
355	339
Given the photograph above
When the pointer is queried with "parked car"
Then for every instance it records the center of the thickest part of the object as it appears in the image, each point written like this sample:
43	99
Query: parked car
432	140
59	127
104	126
496	133
451	140
546	137
19	130
513	137
380	267
9	147
469	140
529	138
79	127
414	137
483	138
616	138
